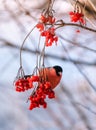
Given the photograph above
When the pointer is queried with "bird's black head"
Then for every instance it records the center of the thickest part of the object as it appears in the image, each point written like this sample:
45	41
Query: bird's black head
58	70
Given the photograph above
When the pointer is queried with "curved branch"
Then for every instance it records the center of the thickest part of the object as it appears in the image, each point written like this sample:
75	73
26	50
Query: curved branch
84	27
76	25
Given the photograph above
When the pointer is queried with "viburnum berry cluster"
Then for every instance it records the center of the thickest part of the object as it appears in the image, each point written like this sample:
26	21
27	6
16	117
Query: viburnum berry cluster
24	83
77	17
47	31
41	90
38	98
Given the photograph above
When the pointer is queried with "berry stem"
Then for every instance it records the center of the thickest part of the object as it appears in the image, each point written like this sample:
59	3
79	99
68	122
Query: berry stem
23	45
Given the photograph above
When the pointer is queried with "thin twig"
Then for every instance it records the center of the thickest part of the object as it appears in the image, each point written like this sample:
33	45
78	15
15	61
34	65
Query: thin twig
74	25
23	44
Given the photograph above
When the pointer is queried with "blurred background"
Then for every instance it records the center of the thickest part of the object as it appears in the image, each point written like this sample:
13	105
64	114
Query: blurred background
74	107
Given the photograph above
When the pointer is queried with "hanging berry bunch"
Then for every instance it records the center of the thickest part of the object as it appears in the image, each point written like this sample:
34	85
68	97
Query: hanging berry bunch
41	90
77	15
37	99
46	26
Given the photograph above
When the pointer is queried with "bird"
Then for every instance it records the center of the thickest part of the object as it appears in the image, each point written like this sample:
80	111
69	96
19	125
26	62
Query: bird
52	75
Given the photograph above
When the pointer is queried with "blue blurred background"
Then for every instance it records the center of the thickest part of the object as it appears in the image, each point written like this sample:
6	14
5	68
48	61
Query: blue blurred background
74	107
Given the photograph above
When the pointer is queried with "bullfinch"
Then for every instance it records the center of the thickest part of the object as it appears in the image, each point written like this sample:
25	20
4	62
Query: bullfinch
50	74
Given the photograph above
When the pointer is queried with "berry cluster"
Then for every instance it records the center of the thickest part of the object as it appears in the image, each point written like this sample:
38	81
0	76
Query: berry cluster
77	17
24	83
50	36
41	91
48	33
38	98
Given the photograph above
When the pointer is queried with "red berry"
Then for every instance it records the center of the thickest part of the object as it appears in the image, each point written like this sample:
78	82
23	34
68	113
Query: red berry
40	26
44	105
34	78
